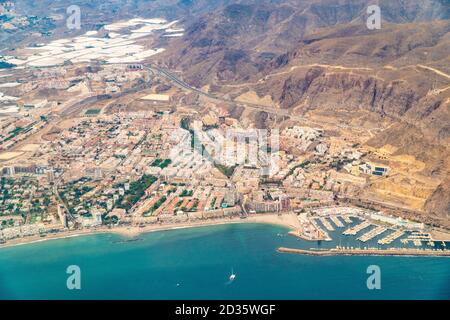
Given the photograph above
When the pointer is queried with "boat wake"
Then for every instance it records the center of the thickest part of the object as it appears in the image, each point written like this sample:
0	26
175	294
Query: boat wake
231	278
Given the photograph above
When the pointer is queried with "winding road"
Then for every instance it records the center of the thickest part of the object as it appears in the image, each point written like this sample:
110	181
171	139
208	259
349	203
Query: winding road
255	107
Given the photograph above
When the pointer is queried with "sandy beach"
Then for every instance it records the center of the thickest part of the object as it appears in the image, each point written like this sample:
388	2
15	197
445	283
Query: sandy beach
285	220
288	220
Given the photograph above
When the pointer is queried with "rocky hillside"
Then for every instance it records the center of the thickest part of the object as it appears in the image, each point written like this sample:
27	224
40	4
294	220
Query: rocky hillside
322	52
246	35
439	202
319	56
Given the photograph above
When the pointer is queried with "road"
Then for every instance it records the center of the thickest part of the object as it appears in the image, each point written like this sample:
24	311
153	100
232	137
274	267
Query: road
74	107
439	72
255	107
61	202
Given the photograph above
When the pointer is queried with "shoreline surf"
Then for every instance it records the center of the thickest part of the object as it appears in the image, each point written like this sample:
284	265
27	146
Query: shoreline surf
287	220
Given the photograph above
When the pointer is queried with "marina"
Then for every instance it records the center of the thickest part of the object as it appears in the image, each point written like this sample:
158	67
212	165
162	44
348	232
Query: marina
374	230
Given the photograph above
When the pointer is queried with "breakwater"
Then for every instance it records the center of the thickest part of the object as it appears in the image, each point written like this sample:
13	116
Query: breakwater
368	252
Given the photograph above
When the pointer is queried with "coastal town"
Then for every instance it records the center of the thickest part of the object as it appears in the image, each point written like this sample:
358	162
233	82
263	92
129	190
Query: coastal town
219	158
94	141
158	169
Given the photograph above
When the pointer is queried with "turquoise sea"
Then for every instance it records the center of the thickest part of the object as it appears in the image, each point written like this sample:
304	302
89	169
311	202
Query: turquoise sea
196	264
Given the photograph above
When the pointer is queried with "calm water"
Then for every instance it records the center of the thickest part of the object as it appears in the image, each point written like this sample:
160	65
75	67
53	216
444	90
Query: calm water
200	262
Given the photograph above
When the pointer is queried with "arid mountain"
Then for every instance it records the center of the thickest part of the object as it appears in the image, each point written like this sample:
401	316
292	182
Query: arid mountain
322	51
319	58
439	202
246	35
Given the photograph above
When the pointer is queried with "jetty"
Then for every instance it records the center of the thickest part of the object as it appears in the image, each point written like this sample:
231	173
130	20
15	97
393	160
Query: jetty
354	230
336	221
315	236
326	224
391	237
372	234
420	236
347	219
395	252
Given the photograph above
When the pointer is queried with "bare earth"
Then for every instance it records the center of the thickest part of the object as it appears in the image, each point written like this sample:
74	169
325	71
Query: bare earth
439	235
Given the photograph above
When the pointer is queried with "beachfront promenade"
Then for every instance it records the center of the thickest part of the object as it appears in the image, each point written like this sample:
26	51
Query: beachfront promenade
288	220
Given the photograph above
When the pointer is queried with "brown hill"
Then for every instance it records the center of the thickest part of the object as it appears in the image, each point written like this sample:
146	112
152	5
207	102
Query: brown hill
439	202
319	57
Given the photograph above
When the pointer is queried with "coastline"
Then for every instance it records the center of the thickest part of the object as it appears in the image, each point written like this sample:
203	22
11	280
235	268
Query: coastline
287	220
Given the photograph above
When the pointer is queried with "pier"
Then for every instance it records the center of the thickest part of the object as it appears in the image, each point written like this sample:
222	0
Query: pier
417	238
326	224
372	234
395	252
354	230
420	235
336	221
347	219
392	237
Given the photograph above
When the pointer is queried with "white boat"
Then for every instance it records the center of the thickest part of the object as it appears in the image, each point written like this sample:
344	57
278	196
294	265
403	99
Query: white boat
232	276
